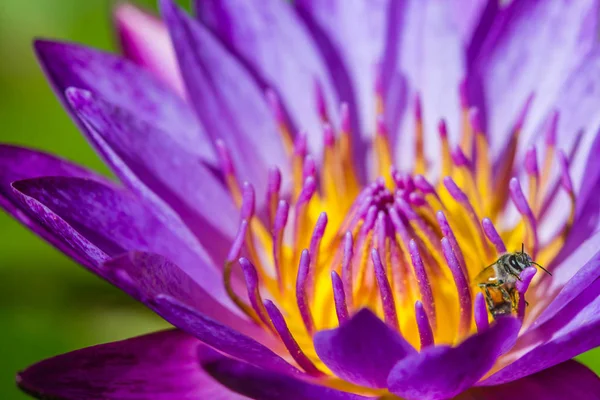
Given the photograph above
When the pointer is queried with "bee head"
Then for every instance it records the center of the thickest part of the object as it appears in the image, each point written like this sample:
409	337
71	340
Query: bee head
519	261
524	260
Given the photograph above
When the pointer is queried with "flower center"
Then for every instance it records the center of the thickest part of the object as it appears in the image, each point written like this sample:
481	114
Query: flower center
403	246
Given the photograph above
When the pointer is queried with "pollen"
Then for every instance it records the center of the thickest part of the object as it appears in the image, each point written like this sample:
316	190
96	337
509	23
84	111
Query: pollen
404	245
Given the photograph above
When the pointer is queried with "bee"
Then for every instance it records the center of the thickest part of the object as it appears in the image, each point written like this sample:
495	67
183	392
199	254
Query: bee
498	281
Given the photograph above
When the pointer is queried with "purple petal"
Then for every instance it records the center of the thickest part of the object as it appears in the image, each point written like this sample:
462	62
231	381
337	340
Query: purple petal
469	15
441	372
227	100
17	163
362	350
354	32
145	156
588	181
569	380
145	40
576	103
261	384
572	331
532	48
124	84
145	276
577	128
219	336
276	46
425	37
161	366
573	273
99	222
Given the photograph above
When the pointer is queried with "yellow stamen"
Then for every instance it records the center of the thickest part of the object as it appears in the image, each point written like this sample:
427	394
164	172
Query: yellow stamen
420	161
420	253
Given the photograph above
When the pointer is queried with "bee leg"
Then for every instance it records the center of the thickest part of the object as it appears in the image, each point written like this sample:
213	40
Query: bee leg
488	296
515	302
489	301
505	295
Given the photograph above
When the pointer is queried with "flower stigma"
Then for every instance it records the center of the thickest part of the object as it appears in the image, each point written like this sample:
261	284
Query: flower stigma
404	246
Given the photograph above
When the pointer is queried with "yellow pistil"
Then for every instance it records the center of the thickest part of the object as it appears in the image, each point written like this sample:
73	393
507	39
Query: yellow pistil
420	161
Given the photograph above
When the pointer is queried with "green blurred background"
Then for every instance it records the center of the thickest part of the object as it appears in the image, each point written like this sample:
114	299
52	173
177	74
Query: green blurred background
49	305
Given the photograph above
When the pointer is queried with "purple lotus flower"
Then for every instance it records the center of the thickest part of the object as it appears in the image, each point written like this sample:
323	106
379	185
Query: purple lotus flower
309	193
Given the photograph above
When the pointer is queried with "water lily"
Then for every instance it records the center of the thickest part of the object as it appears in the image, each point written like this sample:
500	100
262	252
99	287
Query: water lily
309	193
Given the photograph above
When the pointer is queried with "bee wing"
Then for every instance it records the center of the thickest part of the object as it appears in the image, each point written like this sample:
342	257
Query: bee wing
486	275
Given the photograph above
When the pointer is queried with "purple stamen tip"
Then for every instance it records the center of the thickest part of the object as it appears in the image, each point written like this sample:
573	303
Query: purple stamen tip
225	157
517	196
381	127
345	117
281	216
531	165
521	117
423	184
481	314
418	108
385	291
300	145
328	135
492	234
308	190
318	232
462	93
422	280
347	267
406	209
443	129
309	169
250	274
462	286
365	206
475	120
320	100
274	184
459	158
369	222
552	129
425	332
405	181
348	246
447	232
275	104
395	174
454	190
409	183
303	266
252	284
301	283
238	242
339	297
443	222
565	177
248	201
417	199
